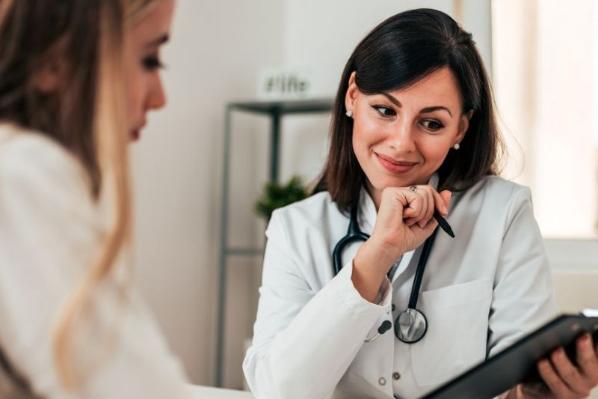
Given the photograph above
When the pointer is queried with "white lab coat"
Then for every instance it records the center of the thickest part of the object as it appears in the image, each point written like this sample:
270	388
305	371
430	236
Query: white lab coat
50	233
480	292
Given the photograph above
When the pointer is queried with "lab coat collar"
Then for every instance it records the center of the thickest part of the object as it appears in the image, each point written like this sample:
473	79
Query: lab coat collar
367	212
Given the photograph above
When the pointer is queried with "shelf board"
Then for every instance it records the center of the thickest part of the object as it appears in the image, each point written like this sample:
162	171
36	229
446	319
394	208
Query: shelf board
285	106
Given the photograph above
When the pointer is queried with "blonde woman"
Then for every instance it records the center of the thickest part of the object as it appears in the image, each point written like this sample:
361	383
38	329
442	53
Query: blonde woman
77	79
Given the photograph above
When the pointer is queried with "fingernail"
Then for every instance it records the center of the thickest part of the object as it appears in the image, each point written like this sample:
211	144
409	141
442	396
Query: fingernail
555	353
561	352
543	363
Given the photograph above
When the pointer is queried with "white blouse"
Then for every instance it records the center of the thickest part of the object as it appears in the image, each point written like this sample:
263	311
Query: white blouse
50	233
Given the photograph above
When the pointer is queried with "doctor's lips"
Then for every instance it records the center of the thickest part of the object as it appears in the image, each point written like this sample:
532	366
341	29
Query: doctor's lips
395	166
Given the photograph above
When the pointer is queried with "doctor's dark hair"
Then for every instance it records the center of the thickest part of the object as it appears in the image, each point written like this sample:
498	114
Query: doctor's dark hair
397	53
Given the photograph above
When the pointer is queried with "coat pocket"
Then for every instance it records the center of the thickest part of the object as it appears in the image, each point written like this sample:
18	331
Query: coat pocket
457	331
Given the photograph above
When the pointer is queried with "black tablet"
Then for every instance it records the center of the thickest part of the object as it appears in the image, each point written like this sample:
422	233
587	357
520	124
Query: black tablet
517	363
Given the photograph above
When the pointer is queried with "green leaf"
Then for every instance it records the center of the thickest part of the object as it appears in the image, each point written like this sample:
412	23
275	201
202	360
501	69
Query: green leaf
276	196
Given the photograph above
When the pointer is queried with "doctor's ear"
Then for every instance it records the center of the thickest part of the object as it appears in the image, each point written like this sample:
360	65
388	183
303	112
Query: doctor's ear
351	95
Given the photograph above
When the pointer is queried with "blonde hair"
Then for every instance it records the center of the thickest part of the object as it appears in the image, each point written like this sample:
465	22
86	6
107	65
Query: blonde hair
86	116
110	136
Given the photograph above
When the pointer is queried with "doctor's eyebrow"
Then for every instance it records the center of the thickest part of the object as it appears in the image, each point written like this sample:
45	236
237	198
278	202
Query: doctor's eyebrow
396	102
436	108
392	99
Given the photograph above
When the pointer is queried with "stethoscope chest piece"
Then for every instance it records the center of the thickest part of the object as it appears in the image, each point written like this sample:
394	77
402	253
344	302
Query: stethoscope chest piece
411	325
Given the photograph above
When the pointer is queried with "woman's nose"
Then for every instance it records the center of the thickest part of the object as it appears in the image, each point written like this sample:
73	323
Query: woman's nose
157	96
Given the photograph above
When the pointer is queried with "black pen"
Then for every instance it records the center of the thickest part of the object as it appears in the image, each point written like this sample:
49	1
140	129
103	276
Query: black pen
443	223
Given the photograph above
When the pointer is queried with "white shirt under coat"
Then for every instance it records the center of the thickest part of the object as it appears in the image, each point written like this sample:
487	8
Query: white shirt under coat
480	292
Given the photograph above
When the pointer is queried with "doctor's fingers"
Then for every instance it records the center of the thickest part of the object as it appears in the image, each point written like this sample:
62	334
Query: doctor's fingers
394	203
587	358
434	202
430	206
422	233
419	203
571	376
557	386
443	200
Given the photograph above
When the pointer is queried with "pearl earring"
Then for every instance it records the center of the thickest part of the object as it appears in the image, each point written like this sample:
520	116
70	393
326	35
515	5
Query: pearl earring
349	113
457	146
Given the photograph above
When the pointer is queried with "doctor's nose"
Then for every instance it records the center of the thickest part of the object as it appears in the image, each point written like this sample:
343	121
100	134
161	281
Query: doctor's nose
402	137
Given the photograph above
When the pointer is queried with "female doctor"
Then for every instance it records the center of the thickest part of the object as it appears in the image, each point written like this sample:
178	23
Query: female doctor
411	307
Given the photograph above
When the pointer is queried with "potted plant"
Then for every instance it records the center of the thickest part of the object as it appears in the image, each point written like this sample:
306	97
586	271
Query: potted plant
276	195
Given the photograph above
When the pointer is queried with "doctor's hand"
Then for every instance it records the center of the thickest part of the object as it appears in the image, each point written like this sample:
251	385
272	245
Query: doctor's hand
405	217
562	378
404	221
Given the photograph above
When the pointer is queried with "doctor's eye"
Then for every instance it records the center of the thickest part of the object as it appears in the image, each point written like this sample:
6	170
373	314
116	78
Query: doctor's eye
152	63
384	111
432	125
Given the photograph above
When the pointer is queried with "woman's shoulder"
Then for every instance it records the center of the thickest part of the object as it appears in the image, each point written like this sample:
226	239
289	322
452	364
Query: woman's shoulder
26	155
40	179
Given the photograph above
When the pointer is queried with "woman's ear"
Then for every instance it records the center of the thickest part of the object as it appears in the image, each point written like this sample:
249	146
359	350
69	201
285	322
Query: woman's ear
463	125
46	80
50	75
351	93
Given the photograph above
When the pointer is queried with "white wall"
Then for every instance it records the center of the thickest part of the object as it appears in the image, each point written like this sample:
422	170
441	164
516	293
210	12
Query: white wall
216	51
320	36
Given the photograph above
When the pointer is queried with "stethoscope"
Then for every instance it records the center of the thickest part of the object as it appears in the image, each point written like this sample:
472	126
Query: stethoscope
411	324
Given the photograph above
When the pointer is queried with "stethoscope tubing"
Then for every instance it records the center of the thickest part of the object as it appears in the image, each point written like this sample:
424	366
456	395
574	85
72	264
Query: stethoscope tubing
421	267
354	234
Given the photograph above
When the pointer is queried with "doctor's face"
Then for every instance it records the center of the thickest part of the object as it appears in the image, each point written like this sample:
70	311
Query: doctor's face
143	65
400	138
